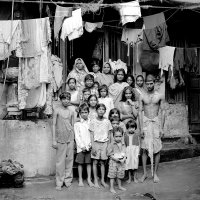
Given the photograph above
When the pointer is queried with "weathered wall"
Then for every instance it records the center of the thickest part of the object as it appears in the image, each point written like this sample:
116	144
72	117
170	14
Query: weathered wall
29	143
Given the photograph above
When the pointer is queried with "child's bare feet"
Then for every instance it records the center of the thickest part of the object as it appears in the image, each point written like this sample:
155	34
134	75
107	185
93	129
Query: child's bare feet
155	178
90	183
113	191
142	179
136	180
59	188
128	181
121	188
80	184
104	184
68	184
96	184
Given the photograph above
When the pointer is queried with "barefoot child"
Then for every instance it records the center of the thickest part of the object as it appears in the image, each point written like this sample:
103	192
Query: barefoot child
100	128
83	142
63	141
131	139
117	154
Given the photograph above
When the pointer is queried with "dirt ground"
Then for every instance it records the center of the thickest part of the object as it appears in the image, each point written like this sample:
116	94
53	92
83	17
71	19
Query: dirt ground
179	180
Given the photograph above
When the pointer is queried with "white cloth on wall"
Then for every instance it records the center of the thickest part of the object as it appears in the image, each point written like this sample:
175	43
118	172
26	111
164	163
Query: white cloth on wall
129	12
115	65
73	26
166	58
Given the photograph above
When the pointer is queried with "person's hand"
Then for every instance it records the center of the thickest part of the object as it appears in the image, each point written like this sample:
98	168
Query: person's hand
130	102
83	149
122	160
93	152
161	133
54	144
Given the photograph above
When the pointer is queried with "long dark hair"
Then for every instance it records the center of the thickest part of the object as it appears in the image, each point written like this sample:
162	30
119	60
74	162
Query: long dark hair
113	111
117	71
92	95
124	91
133	79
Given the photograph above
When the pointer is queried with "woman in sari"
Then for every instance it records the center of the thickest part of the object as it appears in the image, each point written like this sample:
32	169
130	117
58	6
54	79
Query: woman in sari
139	86
115	90
106	77
78	72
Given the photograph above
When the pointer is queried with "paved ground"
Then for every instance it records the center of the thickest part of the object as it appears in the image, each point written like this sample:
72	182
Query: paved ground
180	180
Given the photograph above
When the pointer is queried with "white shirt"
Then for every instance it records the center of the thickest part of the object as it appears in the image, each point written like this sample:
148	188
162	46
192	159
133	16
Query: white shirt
82	134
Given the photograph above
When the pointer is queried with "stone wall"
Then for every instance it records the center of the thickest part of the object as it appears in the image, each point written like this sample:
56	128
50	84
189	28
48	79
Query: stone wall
29	143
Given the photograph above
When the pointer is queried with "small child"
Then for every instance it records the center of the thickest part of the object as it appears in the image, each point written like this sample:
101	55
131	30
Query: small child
89	83
85	95
132	142
83	142
63	141
96	71
115	124
117	154
96	86
100	128
105	99
92	103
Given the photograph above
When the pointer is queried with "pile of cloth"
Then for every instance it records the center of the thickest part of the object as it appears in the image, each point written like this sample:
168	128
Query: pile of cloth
115	65
11	174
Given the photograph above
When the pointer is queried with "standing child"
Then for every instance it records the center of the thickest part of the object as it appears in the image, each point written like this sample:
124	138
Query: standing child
105	99
117	155
95	69
63	141
100	128
131	139
89	83
85	95
115	122
92	103
83	142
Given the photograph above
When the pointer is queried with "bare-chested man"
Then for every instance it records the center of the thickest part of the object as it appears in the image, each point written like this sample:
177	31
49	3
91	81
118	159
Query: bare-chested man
151	129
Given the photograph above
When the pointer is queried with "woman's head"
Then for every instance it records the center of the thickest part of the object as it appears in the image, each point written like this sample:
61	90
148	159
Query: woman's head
79	64
103	91
130	80
72	83
106	68
114	113
128	93
140	81
92	101
120	75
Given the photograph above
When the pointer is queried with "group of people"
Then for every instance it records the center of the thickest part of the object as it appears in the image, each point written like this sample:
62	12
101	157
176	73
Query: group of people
111	120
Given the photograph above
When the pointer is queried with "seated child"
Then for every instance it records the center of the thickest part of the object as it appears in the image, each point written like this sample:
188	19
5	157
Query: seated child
117	154
83	142
132	143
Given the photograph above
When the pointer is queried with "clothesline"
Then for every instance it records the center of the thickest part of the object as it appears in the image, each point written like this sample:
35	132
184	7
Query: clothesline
107	5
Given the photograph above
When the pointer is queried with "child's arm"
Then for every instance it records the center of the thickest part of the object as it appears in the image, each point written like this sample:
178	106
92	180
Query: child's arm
72	118
54	143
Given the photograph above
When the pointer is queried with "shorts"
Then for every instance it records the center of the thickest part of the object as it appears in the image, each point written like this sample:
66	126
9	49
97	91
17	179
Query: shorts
99	150
116	170
83	157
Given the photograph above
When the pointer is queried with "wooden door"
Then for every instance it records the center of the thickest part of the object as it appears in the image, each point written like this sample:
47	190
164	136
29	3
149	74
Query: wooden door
194	103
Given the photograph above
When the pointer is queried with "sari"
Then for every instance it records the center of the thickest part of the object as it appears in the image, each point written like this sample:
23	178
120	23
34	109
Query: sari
79	75
107	79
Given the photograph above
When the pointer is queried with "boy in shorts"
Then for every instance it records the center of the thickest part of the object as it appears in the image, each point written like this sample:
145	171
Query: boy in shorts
83	142
117	154
100	128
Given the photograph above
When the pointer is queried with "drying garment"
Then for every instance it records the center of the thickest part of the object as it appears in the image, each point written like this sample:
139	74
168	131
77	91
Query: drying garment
57	74
115	65
10	32
98	50
49	99
60	14
36	34
166	58
73	26
42	100
90	27
190	59
132	35
151	141
129	12
155	34
179	58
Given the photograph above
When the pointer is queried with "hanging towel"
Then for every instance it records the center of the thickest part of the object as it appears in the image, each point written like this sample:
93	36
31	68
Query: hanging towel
61	13
166	58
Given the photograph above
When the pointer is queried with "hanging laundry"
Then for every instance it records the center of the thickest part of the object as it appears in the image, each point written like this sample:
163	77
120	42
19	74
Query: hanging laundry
36	33
49	99
98	50
190	59
115	65
129	12
166	58
155	33
10	32
43	95
60	14
73	26
90	27
179	58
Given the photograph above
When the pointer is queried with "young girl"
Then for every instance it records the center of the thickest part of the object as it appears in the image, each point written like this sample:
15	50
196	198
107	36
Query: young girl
95	71
107	101
116	113
92	103
128	106
130	80
132	143
106	76
115	90
139	86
